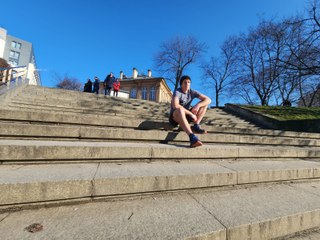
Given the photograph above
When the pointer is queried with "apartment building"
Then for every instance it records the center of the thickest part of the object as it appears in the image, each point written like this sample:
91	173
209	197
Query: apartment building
20	55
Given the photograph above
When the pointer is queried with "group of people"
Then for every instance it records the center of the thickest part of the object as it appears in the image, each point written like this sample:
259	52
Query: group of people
109	83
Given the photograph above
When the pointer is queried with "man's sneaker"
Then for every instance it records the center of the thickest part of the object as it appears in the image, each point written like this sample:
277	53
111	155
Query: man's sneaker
194	141
197	129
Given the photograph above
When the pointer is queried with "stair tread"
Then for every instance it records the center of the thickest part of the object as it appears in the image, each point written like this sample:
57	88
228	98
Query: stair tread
90	171
262	212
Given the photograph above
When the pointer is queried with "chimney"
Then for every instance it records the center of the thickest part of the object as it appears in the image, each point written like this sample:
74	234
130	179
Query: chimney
149	73
135	73
121	75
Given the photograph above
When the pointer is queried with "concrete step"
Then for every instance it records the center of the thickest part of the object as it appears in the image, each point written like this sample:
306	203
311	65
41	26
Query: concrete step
109	102
262	212
122	111
105	103
68	132
115	121
46	151
115	104
114	111
70	98
37	184
59	94
66	98
81	119
128	114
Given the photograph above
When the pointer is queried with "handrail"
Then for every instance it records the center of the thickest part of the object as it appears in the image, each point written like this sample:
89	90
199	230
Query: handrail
12	77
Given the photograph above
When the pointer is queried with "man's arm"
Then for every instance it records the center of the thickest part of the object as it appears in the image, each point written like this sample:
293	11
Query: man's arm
204	101
176	105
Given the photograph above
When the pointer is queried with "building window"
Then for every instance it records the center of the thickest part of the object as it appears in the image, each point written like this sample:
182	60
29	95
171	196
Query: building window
144	92
133	93
15	45
14	55
14	58
152	94
13	62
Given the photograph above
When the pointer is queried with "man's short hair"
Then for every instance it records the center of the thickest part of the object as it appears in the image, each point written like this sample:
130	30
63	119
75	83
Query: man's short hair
184	78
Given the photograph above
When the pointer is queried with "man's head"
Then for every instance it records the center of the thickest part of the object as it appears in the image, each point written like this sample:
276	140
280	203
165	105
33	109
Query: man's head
185	82
185	77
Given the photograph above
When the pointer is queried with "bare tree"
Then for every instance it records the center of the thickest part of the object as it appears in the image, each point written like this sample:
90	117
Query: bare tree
3	63
67	82
304	44
288	84
220	70
278	60
258	60
309	90
302	59
176	55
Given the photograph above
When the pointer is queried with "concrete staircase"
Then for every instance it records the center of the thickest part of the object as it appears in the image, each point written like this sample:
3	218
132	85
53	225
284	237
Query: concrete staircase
95	167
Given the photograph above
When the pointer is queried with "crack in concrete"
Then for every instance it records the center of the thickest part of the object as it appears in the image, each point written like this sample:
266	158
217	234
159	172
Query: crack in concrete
231	169
93	192
208	211
151	153
1	219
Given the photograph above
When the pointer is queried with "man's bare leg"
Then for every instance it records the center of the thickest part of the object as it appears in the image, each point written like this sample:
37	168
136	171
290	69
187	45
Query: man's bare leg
179	115
200	114
196	127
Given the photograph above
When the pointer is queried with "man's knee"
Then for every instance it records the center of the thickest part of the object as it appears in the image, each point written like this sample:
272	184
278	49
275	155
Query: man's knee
205	108
179	114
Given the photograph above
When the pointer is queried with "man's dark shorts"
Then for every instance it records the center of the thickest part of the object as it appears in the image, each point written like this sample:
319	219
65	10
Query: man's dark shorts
174	123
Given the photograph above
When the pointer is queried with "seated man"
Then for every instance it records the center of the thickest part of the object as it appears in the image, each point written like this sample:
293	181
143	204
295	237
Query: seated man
181	114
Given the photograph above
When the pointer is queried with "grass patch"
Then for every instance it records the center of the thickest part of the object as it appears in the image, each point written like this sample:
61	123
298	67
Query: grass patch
286	113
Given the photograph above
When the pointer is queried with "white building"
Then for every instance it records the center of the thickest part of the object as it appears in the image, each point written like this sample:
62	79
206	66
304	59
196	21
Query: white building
19	54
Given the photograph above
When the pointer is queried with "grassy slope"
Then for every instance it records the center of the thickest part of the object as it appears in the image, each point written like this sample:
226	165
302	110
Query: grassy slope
286	113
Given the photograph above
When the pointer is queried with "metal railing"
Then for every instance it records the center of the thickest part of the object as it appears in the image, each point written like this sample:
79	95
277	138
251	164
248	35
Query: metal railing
12	77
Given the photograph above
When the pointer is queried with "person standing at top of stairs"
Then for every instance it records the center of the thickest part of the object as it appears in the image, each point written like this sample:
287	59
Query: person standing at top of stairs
116	87
88	86
181	113
108	83
96	85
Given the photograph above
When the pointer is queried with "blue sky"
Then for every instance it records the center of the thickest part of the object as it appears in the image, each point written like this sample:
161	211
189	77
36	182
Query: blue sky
83	38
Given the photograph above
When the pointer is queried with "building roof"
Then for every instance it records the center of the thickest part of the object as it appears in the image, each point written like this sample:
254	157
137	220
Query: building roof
140	78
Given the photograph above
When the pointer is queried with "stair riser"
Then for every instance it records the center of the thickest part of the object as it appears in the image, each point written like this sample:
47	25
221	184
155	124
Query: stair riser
92	151
277	227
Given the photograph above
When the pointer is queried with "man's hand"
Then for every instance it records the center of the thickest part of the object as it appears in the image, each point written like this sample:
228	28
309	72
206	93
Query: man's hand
195	109
194	117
